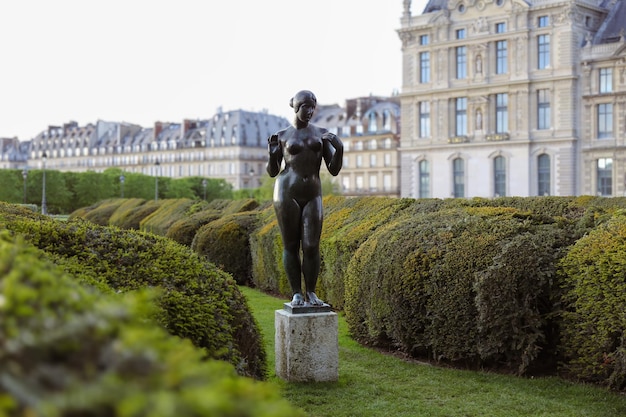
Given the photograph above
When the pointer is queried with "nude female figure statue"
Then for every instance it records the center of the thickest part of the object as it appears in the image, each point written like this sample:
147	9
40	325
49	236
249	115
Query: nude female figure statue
298	193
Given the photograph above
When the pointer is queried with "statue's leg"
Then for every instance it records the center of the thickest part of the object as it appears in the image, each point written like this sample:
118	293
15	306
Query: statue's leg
311	232
288	216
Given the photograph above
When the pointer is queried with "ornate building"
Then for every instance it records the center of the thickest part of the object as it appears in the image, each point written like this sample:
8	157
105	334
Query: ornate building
231	145
513	97
369	130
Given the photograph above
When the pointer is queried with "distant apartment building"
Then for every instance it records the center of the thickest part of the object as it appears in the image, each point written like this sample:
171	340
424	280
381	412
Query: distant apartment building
513	98
369	128
232	145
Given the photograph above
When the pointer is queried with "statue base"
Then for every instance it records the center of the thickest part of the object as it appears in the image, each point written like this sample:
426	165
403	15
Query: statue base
307	345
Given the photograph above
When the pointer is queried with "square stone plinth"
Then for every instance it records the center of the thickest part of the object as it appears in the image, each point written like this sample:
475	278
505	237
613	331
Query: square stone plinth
307	346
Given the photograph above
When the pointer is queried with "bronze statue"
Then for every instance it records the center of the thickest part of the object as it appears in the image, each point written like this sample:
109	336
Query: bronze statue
298	193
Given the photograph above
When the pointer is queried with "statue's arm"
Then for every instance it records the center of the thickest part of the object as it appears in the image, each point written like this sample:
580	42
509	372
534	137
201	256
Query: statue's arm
333	152
275	155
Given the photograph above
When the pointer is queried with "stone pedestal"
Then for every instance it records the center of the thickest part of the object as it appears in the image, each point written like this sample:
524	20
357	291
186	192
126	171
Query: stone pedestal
307	346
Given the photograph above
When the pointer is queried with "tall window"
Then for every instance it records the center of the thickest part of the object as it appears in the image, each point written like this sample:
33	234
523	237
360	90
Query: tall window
502	113
606	80
543	109
458	175
605	120
604	174
424	67
373	125
461	62
543	174
543	51
424	180
499	176
424	109
461	116
501	57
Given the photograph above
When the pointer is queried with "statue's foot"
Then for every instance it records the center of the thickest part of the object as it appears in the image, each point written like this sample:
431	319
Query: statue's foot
313	300
297	300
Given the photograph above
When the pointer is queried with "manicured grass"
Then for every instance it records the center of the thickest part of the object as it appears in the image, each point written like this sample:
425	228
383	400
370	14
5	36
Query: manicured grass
372	384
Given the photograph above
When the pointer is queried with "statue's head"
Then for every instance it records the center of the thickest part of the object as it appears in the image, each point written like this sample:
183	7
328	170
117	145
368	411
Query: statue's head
302	97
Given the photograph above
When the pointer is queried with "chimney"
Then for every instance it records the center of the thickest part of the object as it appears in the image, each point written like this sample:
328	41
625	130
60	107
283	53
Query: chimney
158	128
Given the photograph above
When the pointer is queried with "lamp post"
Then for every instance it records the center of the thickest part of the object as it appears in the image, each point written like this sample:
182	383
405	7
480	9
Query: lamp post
44	205
24	175
204	184
122	179
156	180
251	181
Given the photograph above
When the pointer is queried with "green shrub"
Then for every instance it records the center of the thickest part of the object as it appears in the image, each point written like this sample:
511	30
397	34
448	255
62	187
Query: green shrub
199	301
266	249
225	243
118	217
102	212
169	212
131	219
67	351
466	285
184	230
594	320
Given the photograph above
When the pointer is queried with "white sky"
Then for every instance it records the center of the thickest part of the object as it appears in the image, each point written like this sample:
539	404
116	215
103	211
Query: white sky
142	61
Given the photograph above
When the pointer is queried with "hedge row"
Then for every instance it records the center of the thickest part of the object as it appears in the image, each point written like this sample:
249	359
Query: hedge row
70	350
182	220
199	301
480	282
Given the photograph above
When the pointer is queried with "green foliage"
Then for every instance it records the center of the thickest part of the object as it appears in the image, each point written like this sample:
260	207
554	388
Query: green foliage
169	211
68	351
459	285
184	230
11	185
101	212
198	301
225	243
594	318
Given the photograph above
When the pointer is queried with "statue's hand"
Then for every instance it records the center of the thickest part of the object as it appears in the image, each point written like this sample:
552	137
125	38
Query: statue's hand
272	144
332	138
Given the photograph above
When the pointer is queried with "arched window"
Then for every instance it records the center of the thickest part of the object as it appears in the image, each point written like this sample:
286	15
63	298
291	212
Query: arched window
499	176
424	179
458	175
373	126
543	174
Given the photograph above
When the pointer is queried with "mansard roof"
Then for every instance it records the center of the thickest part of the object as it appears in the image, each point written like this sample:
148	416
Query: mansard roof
613	28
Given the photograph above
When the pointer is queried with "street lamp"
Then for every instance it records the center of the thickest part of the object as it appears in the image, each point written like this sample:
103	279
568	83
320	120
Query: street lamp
24	175
204	184
251	181
44	205
122	179
156	180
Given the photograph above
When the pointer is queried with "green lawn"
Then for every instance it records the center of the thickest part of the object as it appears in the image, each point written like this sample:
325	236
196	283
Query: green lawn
373	384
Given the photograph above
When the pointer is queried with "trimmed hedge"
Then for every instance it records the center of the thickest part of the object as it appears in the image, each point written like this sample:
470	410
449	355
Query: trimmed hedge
594	317
199	301
471	286
69	351
225	243
169	212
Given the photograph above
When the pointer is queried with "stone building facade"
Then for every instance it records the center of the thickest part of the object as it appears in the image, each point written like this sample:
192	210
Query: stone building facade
369	128
501	98
231	145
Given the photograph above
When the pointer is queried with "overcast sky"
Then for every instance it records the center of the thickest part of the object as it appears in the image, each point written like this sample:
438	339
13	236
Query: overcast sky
142	61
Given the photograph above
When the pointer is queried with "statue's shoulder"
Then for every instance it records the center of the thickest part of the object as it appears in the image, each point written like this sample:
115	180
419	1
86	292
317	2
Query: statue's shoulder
284	132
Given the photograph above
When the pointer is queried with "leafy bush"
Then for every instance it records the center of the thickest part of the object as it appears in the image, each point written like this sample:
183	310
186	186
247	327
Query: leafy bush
594	322
67	351
102	212
169	211
466	285
225	243
184	230
199	301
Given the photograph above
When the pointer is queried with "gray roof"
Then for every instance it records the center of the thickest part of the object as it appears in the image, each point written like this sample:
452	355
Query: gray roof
614	26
